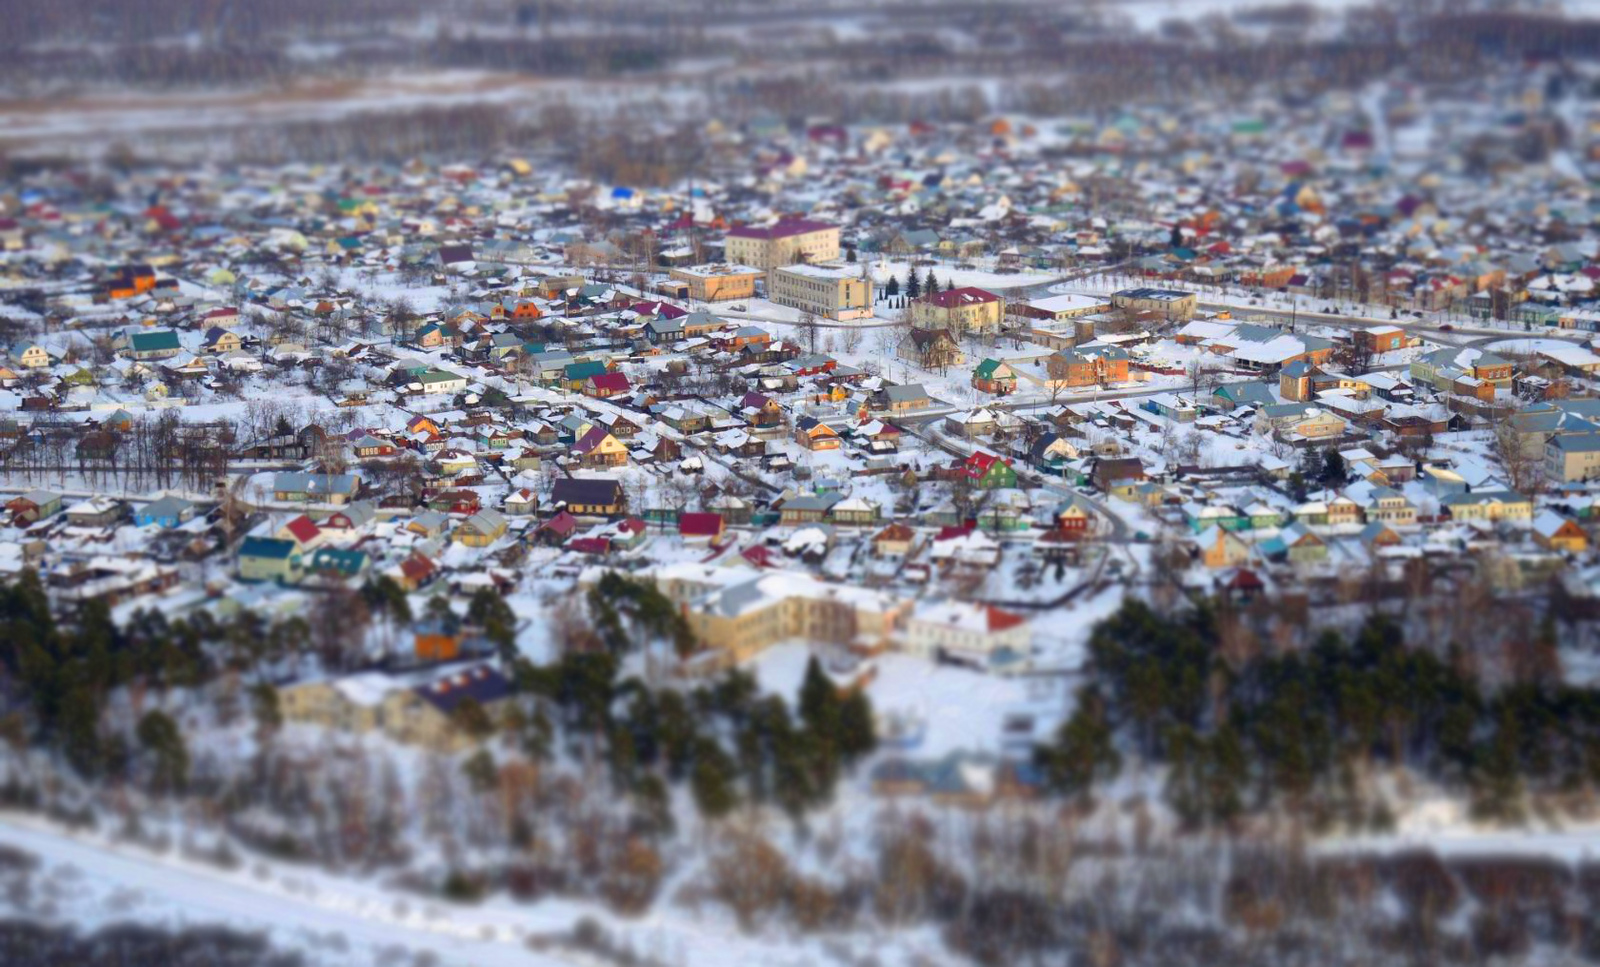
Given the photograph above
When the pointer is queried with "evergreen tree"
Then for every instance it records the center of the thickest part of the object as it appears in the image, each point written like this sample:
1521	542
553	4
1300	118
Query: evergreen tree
856	735
481	771
892	290
489	611
913	285
1227	774
1186	774
712	780
1176	239
266	708
930	285
1311	465
80	730
1334	472
1083	752
819	703
850	255
1497	783
159	736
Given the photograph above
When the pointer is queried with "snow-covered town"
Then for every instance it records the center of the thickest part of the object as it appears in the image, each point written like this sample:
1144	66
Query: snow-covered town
1146	531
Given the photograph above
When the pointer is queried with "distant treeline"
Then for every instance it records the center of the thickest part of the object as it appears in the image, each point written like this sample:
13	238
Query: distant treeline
1305	730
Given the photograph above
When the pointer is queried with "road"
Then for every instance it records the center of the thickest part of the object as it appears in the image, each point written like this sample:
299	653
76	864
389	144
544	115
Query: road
1463	337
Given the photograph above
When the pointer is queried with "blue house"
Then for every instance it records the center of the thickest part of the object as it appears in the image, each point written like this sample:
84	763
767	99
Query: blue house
167	512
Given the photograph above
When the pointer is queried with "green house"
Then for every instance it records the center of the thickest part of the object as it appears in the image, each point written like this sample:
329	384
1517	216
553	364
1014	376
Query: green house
989	472
156	344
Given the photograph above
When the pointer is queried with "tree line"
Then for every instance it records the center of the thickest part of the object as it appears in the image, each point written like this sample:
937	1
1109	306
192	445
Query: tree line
1305	730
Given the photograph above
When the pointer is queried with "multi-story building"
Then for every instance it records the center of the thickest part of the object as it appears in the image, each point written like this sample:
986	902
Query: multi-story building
1571	457
1168	303
969	633
719	282
966	309
1087	367
783	243
830	291
739	614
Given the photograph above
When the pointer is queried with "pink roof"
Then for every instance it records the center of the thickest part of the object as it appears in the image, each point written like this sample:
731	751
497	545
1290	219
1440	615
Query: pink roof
664	309
964	296
783	229
757	555
615	382
700	525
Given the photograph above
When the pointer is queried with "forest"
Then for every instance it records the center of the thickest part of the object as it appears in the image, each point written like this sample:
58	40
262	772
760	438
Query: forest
1311	733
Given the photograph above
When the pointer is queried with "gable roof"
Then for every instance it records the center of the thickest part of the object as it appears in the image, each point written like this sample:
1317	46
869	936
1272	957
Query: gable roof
586	490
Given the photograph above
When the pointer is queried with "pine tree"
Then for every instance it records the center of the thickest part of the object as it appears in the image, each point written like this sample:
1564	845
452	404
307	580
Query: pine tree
819	703
712	780
1083	752
1333	469
930	285
159	736
80	728
913	285
856	736
892	290
265	706
1311	464
850	255
1227	774
1176	239
481	771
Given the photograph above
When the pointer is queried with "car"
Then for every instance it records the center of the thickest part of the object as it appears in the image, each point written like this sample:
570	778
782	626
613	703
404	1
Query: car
1446	327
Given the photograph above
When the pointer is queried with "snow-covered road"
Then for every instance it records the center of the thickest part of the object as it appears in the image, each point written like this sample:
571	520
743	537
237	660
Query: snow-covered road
333	921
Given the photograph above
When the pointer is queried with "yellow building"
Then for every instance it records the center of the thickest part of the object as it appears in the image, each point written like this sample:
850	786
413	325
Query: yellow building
959	310
416	708
720	282
1554	532
30	355
1490	505
741	613
783	243
1221	548
833	292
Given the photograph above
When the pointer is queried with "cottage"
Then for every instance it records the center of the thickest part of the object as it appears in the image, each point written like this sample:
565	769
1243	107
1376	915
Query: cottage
996	377
332	488
893	541
269	559
97	512
1557	533
168	512
701	528
33	506
813	434
481	529
599	449
593	497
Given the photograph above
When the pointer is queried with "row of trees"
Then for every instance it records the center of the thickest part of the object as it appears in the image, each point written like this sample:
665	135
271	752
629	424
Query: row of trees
914	287
1305	730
